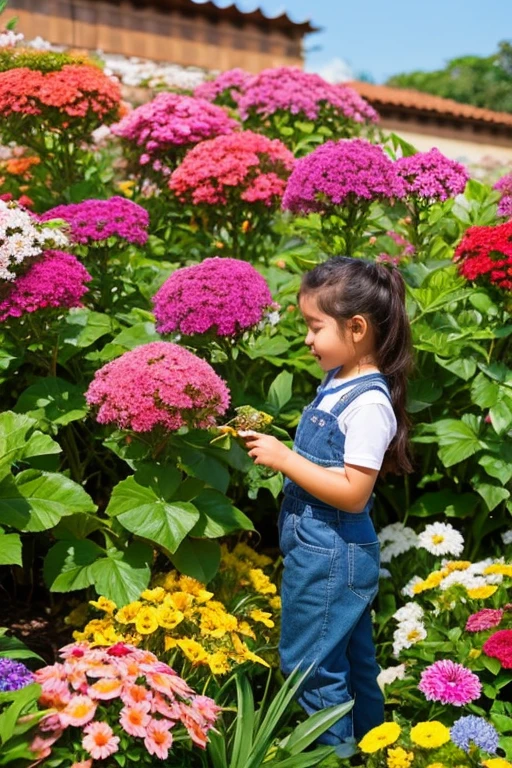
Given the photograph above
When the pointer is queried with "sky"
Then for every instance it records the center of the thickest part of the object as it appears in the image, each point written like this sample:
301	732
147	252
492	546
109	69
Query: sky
383	37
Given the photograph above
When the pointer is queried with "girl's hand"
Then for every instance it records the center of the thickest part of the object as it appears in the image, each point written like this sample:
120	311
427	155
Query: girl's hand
266	450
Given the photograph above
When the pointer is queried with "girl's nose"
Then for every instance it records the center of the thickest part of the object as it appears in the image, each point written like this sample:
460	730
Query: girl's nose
308	341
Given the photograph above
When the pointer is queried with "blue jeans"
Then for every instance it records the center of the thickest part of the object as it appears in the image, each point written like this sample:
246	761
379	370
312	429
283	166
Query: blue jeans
331	572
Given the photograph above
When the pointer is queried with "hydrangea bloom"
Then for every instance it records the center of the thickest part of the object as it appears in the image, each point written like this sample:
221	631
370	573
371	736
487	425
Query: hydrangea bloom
432	176
499	646
301	93
226	87
339	172
485	253
487	618
472	729
169	122
449	683
158	384
247	165
58	280
504	185
441	539
97	220
14	675
224	295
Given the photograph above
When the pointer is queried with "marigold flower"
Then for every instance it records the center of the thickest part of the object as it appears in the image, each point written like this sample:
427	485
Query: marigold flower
449	683
167	617
399	758
261	582
219	663
155	595
193	650
380	737
128	613
262	616
496	762
430	735
104	604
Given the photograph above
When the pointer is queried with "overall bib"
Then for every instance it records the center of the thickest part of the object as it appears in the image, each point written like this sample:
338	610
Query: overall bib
331	575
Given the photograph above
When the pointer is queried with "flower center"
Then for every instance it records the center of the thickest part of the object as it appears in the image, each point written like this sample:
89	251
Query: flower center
437	538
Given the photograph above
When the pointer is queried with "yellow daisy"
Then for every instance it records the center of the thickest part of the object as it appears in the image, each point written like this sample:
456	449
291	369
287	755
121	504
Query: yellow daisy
380	737
481	593
430	735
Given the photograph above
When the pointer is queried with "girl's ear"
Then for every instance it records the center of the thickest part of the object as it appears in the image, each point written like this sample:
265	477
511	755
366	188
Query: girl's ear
358	328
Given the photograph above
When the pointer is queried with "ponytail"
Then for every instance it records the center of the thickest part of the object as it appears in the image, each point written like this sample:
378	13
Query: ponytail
345	287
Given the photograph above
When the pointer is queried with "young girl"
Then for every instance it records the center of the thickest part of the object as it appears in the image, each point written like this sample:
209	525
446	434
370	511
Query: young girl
359	332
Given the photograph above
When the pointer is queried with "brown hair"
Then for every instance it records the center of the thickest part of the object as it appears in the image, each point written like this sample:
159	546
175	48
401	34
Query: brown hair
345	287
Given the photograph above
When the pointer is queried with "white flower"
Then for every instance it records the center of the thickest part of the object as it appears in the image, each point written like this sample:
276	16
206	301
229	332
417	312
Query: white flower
407	591
409	612
389	675
441	539
9	38
507	536
406	634
398	539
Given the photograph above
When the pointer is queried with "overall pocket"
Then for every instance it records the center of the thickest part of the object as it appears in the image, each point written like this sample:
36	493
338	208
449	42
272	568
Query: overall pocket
315	531
363	569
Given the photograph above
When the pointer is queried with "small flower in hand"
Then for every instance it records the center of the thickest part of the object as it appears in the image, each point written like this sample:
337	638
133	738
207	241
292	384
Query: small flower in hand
266	450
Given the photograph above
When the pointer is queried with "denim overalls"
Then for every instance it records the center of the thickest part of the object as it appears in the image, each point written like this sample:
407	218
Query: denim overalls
331	574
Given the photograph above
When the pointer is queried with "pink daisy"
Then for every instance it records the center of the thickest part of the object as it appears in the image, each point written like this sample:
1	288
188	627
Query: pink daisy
206	707
487	618
134	718
170	711
135	694
99	740
449	683
158	739
78	711
106	689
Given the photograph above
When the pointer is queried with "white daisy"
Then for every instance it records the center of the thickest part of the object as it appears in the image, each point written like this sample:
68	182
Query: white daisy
407	591
441	539
408	633
409	612
389	675
398	539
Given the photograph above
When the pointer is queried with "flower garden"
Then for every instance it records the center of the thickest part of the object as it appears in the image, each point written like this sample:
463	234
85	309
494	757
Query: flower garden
150	258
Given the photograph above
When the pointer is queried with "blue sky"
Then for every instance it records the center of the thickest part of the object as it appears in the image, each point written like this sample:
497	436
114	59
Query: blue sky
383	37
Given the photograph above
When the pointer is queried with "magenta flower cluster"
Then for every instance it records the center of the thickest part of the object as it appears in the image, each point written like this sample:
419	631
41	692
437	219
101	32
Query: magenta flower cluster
504	185
223	295
487	618
300	93
340	172
158	385
58	280
431	175
247	165
96	220
228	84
170	122
448	682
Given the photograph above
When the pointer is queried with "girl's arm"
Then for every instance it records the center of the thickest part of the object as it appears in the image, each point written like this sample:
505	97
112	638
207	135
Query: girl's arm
348	489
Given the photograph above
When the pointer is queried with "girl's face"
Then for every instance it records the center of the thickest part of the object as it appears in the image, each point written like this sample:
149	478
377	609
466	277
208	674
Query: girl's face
324	338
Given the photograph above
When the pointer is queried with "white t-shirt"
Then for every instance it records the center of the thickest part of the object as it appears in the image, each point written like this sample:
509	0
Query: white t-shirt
368	423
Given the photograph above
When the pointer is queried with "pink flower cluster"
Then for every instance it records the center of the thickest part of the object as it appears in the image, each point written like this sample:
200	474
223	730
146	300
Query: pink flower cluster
504	185
499	646
170	122
97	220
158	385
449	683
301	93
246	165
339	172
58	280
223	295
431	175
487	618
225	87
116	691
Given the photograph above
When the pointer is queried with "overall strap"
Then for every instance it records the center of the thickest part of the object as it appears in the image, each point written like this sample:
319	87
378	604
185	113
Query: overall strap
322	390
379	383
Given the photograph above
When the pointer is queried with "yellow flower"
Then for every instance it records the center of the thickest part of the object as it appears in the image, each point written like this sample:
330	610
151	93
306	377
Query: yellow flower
193	651
104	604
218	663
430	734
78	616
496	762
474	653
457	565
127	614
126	187
505	569
432	581
215	621
261	582
399	758
155	595
171	581
380	737
242	652
194	587
245	629
275	603
480	593
180	600
106	637
170	643
436	765
146	621
244	550
167	617
263	617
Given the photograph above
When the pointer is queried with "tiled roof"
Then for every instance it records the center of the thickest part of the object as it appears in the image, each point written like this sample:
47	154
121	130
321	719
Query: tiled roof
384	95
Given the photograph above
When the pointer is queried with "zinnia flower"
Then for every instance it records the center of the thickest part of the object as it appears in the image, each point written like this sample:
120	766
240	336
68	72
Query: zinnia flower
449	683
476	730
499	646
441	539
380	737
430	735
225	295
432	176
158	384
487	618
97	220
14	675
99	740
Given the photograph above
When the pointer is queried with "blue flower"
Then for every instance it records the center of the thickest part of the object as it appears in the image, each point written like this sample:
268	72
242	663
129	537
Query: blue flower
14	675
477	730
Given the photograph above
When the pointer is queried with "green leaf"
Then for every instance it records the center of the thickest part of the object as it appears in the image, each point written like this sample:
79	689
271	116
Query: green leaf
46	496
129	338
123	574
199	558
493	665
308	731
484	391
53	400
464	368
200	463
218	516
21	700
444	502
501	416
280	391
496	467
82	328
267	347
457	441
78	526
12	648
10	549
421	394
143	511
492	494
502	722
18	441
67	566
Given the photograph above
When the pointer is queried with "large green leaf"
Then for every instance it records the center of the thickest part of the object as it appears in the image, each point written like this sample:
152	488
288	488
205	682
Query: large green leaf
68	565
444	502
268	347
200	463
484	391
199	558
142	510
20	700
53	400
496	467
464	368
457	441
123	574
218	516
45	496
280	391
82	328
421	394
501	415
10	549
12	648
18	440
492	494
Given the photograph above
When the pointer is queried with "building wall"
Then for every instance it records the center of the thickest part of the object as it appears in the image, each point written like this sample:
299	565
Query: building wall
150	34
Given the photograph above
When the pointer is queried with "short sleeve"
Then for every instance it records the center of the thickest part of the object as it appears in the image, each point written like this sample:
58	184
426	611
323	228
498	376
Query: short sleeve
369	429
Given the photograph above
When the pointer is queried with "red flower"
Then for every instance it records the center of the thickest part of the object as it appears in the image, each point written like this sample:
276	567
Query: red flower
499	646
119	649
485	253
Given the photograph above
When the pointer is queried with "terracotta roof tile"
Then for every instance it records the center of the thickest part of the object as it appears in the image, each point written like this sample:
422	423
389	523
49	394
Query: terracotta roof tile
380	95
